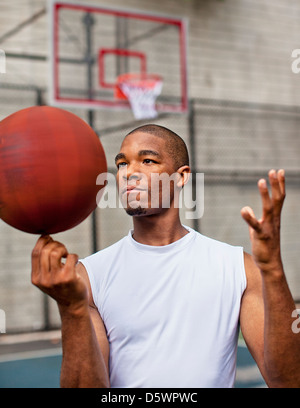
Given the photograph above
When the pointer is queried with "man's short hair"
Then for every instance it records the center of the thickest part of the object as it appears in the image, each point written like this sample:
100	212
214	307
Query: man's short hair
174	143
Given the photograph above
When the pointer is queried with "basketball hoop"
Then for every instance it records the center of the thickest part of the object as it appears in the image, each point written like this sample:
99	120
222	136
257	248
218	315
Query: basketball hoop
141	90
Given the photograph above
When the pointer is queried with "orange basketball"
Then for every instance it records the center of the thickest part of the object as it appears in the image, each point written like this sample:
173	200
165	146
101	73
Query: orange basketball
49	162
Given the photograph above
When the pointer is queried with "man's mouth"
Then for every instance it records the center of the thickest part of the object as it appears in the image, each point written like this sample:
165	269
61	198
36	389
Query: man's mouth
130	189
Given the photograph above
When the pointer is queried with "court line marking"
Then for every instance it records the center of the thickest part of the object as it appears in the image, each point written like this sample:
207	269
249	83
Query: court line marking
27	355
29	337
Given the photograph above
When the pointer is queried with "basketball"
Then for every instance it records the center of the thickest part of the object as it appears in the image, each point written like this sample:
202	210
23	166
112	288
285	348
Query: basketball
49	162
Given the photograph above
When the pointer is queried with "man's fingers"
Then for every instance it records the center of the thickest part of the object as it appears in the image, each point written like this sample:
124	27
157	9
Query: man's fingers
275	187
271	205
36	253
46	261
70	265
277	179
57	252
277	182
64	273
267	203
71	261
281	180
51	255
41	242
249	216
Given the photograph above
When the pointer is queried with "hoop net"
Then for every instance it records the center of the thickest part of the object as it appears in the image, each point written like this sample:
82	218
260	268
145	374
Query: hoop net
141	90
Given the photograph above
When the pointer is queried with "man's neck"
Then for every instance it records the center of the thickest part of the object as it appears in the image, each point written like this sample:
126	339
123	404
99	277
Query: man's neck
157	230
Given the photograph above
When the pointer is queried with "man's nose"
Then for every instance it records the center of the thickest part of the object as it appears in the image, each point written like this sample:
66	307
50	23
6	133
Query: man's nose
131	172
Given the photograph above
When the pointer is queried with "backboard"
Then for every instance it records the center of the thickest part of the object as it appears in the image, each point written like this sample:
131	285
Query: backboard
91	46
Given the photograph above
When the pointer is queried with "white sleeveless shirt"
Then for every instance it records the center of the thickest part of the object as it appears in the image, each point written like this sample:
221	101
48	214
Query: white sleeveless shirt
171	312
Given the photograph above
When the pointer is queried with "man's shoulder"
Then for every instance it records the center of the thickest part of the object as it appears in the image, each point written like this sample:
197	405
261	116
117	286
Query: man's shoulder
212	243
108	251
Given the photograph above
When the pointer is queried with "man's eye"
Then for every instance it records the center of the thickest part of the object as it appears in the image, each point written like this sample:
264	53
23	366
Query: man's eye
122	164
148	161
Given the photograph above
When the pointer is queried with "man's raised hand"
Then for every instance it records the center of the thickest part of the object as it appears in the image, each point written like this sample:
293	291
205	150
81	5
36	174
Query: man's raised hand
265	232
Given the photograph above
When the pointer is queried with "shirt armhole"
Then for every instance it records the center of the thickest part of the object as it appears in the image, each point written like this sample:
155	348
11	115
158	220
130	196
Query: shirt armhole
243	270
86	264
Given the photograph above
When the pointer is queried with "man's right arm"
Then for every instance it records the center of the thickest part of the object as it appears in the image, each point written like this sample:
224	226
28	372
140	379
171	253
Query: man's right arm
84	341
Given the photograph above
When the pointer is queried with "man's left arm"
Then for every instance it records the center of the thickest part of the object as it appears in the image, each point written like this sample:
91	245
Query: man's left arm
267	306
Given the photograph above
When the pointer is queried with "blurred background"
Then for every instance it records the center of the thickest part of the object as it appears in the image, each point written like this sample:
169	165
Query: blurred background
243	119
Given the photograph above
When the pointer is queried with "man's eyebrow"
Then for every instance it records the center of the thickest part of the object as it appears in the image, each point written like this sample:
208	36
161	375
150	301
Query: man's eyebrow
119	156
148	152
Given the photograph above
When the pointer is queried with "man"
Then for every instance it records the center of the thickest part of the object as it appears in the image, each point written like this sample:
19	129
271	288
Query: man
162	307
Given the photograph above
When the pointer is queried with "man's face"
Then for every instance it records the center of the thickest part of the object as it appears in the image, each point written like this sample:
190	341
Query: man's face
142	158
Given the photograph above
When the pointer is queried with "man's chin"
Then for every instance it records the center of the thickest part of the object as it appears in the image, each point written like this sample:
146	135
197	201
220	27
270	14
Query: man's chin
136	212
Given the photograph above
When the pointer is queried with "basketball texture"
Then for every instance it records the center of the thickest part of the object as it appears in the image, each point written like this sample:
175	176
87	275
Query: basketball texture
49	162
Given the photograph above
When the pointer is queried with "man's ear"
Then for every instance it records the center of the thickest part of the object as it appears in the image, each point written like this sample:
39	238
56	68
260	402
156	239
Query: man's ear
184	172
